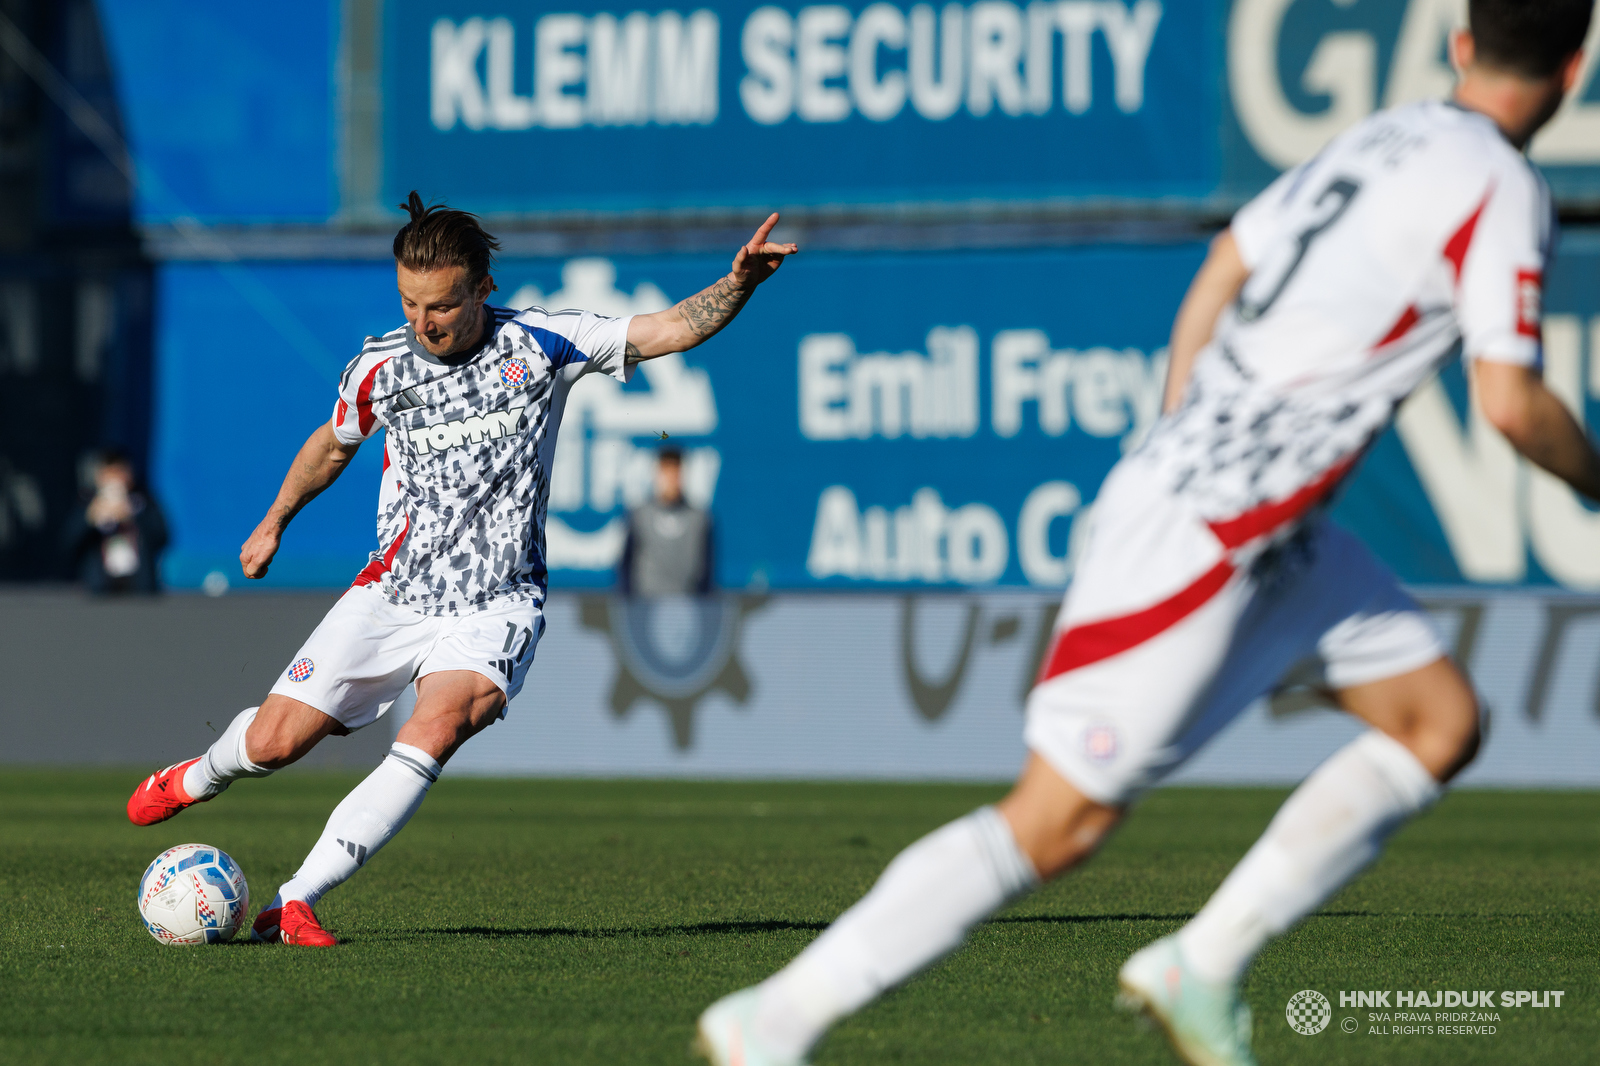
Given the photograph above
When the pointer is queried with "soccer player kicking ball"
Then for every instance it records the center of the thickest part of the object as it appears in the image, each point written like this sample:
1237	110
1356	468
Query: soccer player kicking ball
471	396
1210	569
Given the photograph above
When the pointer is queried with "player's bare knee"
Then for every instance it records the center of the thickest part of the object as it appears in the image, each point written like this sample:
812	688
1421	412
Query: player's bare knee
1448	716
1441	730
1467	751
1432	711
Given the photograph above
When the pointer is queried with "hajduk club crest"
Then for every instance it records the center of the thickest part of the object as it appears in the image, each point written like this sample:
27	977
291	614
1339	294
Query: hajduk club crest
515	373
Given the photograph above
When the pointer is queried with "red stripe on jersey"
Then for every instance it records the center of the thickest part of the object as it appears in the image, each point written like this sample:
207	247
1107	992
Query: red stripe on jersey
375	570
1271	516
386	458
1090	643
339	412
1455	249
1410	317
388	556
364	399
1094	641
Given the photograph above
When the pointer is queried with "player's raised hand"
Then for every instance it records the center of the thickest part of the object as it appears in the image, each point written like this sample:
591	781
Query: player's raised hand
690	321
760	259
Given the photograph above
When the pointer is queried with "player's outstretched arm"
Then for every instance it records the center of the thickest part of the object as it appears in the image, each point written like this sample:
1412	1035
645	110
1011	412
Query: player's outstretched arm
322	459
1517	402
1217	282
692	321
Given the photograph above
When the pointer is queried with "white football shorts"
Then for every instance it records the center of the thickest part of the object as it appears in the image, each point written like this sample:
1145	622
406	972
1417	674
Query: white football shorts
1173	625
366	650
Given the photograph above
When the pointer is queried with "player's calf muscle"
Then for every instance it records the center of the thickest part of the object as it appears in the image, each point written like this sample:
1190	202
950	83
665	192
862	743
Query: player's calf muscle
1055	824
453	706
284	730
439	736
442	731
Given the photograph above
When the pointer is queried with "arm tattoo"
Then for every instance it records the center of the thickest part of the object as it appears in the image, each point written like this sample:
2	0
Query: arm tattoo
712	309
630	353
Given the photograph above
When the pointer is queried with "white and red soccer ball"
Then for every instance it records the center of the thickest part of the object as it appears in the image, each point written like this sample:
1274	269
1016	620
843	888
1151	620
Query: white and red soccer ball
193	894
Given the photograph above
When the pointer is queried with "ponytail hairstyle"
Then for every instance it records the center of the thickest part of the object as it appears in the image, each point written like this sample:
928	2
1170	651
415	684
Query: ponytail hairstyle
438	237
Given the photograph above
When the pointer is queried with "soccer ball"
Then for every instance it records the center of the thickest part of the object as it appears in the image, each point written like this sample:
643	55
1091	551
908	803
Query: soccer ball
193	894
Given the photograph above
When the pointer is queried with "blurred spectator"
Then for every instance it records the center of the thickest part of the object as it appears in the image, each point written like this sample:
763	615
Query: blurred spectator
116	541
668	550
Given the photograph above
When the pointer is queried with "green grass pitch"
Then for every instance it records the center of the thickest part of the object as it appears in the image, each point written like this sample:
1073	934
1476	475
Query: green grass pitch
588	922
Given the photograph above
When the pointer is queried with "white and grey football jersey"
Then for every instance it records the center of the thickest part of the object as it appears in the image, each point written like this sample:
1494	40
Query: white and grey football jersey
1418	229
468	451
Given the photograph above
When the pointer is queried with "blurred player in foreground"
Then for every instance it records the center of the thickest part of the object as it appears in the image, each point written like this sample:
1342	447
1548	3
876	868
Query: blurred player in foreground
1211	570
471	396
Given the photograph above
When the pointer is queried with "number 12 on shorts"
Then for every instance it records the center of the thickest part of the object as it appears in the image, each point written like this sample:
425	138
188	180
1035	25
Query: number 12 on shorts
511	638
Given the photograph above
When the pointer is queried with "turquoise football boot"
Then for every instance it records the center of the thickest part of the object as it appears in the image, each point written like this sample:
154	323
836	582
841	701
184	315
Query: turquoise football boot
726	1034
1208	1024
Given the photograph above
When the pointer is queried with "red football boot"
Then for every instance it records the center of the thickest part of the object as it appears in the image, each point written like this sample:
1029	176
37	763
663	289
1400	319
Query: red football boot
298	926
265	930
161	795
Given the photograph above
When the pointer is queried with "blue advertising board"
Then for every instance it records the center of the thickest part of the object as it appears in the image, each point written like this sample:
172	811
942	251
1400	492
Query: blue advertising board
522	109
870	420
814	409
512	107
238	114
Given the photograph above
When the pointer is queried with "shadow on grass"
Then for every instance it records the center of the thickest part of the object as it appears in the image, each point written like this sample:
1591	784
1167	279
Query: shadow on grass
734	928
543	932
1087	919
727	928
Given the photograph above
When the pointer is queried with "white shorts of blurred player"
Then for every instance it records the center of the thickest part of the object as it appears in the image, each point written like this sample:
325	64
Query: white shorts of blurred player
1173	625
365	652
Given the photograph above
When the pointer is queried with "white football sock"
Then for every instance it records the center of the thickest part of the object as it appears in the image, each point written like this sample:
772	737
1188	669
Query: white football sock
919	911
1333	825
363	822
225	761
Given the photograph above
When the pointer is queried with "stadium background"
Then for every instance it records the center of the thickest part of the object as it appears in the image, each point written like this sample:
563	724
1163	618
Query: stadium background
999	204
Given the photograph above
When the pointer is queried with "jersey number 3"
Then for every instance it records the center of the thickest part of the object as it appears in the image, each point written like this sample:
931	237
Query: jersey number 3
1339	193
